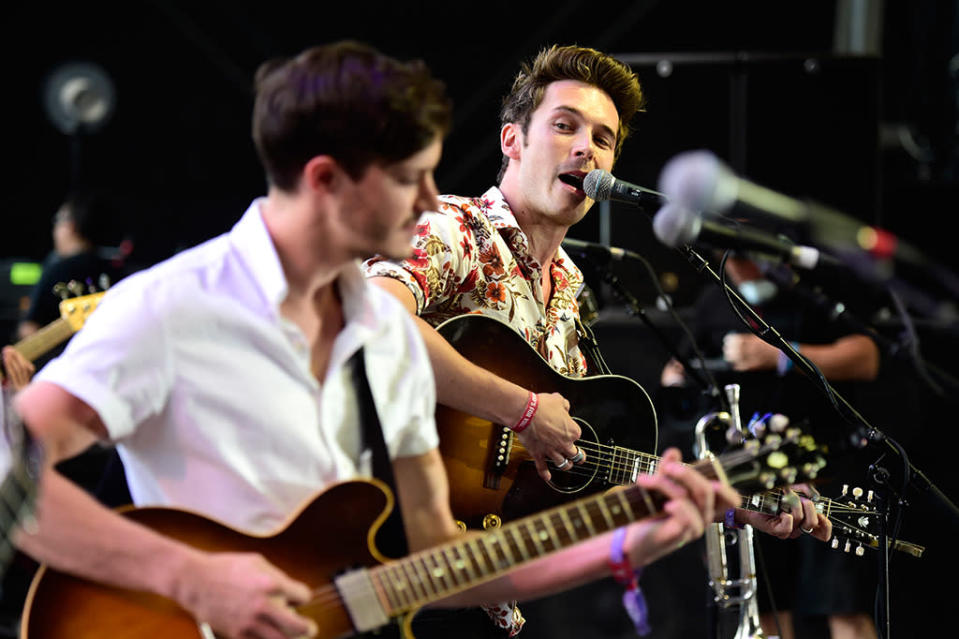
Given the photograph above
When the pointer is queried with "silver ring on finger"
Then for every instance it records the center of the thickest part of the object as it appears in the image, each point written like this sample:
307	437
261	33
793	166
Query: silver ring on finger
564	465
808	531
579	456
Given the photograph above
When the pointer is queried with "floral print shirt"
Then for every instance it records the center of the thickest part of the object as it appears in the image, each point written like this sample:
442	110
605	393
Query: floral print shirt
472	257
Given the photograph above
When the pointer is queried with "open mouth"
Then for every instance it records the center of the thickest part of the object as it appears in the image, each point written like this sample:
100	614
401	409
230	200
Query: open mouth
574	179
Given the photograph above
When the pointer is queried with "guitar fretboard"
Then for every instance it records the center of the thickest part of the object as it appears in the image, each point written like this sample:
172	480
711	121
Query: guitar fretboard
626	464
431	575
44	339
17	496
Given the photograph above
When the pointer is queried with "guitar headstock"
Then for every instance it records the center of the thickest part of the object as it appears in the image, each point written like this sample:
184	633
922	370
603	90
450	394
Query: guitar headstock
772	460
855	521
75	310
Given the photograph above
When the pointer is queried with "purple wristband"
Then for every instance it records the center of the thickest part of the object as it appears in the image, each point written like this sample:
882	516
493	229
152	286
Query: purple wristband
633	600
730	519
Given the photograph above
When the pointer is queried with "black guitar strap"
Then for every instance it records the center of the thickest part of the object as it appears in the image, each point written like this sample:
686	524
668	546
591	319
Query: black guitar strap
589	345
391	537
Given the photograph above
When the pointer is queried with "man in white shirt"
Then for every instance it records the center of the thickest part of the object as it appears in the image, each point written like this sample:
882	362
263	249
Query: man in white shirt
222	374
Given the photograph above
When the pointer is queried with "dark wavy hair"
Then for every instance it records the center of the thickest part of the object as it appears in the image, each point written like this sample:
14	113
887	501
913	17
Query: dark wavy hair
557	63
346	100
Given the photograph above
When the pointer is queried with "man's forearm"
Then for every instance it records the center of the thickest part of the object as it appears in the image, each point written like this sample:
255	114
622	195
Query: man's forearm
465	386
78	535
566	569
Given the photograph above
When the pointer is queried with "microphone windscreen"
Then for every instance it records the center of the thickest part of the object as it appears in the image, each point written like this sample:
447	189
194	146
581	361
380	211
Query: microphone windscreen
598	184
699	181
676	225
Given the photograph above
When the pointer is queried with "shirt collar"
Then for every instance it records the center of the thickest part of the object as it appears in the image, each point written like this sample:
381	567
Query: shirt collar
496	208
359	307
254	246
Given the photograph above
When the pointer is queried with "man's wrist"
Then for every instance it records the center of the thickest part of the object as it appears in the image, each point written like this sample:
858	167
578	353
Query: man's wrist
532	403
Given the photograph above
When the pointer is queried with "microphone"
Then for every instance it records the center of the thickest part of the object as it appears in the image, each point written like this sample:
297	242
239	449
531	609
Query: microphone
592	250
698	180
677	225
600	185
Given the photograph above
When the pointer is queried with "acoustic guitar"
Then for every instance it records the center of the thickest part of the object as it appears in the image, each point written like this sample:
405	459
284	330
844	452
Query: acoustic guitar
493	479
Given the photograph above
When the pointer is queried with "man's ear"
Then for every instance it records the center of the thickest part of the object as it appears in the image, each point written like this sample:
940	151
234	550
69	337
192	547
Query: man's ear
322	172
511	140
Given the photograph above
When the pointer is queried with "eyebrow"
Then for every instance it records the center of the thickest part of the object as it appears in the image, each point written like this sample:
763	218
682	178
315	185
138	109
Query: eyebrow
579	114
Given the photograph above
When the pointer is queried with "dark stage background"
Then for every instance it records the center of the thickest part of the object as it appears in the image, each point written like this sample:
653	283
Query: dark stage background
778	90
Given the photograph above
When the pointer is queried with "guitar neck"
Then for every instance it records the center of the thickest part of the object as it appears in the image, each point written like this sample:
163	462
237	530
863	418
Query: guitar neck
51	335
17	493
626	464
445	570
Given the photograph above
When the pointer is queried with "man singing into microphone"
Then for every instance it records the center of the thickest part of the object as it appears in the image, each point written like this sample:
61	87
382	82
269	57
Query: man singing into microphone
500	254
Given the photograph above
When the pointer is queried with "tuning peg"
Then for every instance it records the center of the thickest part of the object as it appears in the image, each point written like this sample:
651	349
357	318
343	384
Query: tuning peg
778	423
856	492
789	475
104	281
75	287
734	436
60	289
860	551
834	544
767	480
847	547
845	490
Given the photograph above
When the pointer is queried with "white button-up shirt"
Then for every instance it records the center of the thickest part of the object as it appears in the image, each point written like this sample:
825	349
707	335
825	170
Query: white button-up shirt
209	394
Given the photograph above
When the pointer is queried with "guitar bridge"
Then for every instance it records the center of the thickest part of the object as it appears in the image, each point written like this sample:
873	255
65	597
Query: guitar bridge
500	447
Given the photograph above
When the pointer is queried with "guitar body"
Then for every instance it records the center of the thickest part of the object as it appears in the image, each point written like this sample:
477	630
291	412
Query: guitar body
612	411
331	534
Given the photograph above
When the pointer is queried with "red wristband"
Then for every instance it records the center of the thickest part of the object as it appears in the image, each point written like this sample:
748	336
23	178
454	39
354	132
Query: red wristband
527	416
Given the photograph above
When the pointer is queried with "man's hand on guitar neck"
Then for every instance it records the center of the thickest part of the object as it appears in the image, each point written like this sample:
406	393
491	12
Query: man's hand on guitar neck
801	517
693	502
19	370
551	435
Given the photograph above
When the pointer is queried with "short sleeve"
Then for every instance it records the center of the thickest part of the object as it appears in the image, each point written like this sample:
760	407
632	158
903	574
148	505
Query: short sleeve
120	362
401	380
443	262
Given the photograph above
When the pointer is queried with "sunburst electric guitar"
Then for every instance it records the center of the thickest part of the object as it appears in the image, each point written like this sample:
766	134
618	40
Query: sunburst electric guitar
329	545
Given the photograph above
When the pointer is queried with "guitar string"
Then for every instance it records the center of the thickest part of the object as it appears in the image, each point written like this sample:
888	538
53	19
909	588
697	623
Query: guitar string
600	460
329	595
624	467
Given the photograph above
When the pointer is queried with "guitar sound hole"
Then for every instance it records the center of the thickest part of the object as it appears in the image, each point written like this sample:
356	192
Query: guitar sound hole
581	475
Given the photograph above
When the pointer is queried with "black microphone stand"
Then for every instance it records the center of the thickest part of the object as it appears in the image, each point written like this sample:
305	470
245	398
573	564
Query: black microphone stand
868	432
636	309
